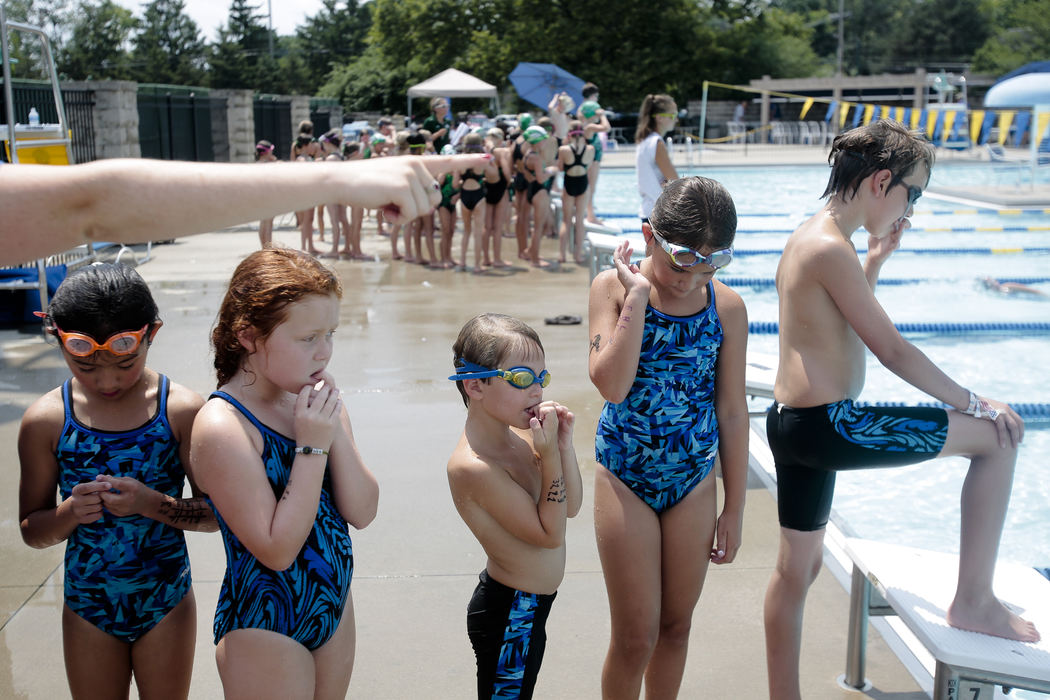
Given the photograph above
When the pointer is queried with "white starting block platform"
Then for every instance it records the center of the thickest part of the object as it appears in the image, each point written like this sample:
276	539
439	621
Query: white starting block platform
918	585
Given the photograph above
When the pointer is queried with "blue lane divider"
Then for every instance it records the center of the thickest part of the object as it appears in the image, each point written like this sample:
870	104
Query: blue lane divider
921	212
1025	328
961	229
1034	412
771	282
920	251
1027	411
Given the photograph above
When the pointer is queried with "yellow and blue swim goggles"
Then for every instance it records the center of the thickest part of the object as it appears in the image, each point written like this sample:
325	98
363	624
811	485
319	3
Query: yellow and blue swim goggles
518	377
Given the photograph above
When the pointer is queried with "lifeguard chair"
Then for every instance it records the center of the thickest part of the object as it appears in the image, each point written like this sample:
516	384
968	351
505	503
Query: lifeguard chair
46	143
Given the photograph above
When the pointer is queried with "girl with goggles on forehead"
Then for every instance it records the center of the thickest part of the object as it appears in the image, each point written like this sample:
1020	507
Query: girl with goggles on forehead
667	353
114	440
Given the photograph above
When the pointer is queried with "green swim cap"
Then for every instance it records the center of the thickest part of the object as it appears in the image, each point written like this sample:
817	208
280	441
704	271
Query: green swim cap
524	120
535	134
589	108
378	138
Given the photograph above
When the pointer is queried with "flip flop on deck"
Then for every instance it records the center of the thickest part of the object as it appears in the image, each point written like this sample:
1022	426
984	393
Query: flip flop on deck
563	320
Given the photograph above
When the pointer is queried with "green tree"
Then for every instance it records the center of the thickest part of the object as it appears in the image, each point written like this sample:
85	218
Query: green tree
54	17
98	47
939	32
1021	36
168	46
241	56
334	36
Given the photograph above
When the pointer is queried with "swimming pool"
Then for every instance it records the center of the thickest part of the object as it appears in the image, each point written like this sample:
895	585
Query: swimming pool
916	505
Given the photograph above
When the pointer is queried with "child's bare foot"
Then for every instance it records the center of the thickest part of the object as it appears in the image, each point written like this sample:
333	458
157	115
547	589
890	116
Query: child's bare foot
541	263
396	256
409	259
992	618
500	263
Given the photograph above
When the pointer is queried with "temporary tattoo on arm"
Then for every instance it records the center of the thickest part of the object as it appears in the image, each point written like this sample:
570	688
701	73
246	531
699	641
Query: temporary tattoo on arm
596	341
556	491
185	511
625	316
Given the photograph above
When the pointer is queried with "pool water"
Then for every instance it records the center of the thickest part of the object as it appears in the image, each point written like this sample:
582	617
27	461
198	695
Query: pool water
916	505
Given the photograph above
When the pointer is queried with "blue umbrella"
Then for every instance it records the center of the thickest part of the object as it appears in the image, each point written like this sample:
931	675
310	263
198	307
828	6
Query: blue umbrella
539	82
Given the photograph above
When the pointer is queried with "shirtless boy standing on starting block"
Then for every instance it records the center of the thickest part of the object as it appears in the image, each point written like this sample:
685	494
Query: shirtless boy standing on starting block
828	315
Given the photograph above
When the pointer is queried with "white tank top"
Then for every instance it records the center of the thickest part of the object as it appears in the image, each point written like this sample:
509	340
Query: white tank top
650	179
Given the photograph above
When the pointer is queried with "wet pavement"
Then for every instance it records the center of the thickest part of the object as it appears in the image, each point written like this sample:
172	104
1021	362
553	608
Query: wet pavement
416	564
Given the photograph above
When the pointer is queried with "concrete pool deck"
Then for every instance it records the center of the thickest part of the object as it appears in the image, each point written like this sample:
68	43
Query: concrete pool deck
417	563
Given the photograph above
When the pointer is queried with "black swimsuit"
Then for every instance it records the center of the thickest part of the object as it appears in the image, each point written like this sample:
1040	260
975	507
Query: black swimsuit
494	191
575	185
470	198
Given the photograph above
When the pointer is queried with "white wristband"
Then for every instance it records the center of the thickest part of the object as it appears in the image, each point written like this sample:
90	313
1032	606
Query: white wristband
979	408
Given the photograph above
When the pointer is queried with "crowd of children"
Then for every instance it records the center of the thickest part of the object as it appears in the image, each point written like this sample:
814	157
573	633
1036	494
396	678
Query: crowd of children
272	463
510	197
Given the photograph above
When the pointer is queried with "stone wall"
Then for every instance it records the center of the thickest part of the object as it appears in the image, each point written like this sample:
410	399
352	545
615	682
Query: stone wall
240	124
300	113
115	117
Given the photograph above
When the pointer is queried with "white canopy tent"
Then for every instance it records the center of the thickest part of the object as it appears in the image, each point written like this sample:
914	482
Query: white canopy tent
452	83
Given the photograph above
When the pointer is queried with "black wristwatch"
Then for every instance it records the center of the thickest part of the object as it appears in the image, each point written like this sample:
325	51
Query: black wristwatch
307	450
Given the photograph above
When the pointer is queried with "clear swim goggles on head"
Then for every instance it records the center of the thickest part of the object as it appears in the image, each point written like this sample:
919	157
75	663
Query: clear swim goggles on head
687	257
518	377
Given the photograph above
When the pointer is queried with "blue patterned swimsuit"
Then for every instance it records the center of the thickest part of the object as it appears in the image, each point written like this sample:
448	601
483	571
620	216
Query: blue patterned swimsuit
123	574
306	600
662	440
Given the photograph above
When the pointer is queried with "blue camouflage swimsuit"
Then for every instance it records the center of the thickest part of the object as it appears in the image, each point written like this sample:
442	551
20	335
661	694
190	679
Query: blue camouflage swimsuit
306	600
123	574
662	440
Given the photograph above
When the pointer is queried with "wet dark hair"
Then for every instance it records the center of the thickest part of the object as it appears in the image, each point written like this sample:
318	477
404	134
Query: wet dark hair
351	147
486	340
588	90
696	212
262	287
333	136
101	300
262	147
881	145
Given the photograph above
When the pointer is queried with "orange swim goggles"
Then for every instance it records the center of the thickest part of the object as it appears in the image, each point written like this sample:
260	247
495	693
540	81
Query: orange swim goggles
82	345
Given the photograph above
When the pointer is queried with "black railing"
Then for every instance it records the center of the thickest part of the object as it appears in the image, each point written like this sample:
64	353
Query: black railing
175	124
79	104
273	122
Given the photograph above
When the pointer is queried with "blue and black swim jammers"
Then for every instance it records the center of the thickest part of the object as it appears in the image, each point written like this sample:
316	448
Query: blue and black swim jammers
810	444
507	629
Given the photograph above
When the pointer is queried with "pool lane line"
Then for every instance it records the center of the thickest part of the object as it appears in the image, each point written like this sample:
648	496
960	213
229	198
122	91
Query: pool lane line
1022	327
771	282
913	230
919	212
